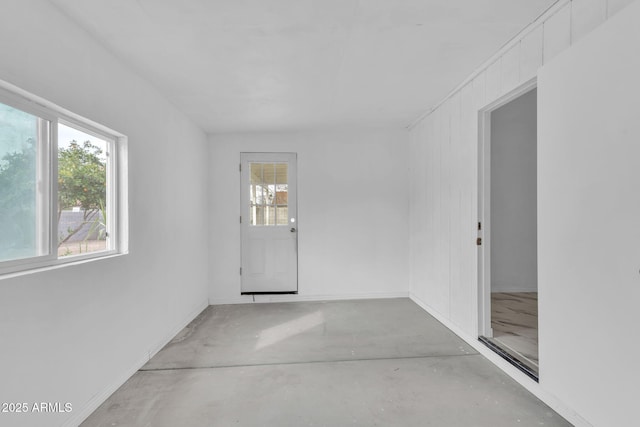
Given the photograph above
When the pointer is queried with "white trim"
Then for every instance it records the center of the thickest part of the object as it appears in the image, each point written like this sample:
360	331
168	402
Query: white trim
484	202
52	170
484	218
64	262
248	299
530	385
18	267
45	186
98	399
121	197
514	93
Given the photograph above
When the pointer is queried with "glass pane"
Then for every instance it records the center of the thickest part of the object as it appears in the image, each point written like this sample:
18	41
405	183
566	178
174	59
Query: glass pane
268	194
281	173
82	192
258	199
262	215
282	211
22	137
282	215
256	173
269	215
282	194
257	215
268	174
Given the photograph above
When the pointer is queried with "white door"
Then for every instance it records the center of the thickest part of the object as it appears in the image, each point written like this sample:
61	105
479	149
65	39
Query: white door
269	223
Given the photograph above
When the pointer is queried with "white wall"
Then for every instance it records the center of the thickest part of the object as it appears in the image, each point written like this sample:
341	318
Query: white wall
352	212
514	234
73	334
444	188
589	228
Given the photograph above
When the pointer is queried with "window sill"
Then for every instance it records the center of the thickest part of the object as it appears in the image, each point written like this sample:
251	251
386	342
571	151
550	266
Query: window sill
59	263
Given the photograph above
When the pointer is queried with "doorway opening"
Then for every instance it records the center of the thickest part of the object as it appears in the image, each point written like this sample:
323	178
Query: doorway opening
508	226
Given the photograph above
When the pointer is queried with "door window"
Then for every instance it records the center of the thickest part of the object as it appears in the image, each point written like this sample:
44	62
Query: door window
268	194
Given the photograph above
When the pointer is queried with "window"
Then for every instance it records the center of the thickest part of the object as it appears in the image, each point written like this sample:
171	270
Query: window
268	194
60	186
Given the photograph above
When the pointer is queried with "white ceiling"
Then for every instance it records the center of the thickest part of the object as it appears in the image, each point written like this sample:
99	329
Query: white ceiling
277	65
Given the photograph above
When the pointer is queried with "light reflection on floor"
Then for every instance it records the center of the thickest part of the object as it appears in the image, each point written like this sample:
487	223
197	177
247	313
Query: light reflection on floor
288	329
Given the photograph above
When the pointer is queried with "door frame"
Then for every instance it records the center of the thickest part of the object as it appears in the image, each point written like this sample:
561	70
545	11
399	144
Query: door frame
484	203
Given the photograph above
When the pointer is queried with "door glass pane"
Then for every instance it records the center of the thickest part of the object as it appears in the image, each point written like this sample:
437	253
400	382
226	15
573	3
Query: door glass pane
256	173
82	192
269	215
282	215
282	194
268	173
23	204
257	215
281	173
268	194
257	191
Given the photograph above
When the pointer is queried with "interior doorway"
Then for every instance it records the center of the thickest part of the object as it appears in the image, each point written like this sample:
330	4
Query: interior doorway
508	223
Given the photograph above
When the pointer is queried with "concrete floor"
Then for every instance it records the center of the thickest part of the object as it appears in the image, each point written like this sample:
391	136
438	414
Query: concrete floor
362	363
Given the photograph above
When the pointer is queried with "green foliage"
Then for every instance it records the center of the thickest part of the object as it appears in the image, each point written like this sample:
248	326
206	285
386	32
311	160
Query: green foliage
82	181
81	177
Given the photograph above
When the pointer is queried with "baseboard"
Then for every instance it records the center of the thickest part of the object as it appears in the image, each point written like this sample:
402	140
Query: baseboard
530	385
99	398
249	299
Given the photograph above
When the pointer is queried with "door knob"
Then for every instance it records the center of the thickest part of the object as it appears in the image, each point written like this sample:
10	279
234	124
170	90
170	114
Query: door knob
293	230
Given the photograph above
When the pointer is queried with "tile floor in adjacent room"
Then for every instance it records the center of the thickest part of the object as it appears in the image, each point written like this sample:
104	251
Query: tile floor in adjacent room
365	362
514	320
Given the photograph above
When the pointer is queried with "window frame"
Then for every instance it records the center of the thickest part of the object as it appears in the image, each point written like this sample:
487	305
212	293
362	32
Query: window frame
47	169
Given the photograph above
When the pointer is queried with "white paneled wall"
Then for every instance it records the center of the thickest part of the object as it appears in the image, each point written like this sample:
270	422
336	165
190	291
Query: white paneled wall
557	33
444	160
531	53
444	165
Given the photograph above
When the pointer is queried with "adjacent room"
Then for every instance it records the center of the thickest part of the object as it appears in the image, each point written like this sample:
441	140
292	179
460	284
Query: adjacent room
312	212
509	199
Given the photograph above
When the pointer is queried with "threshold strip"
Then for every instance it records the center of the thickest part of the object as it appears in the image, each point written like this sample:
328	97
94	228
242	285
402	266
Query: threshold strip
309	362
509	358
